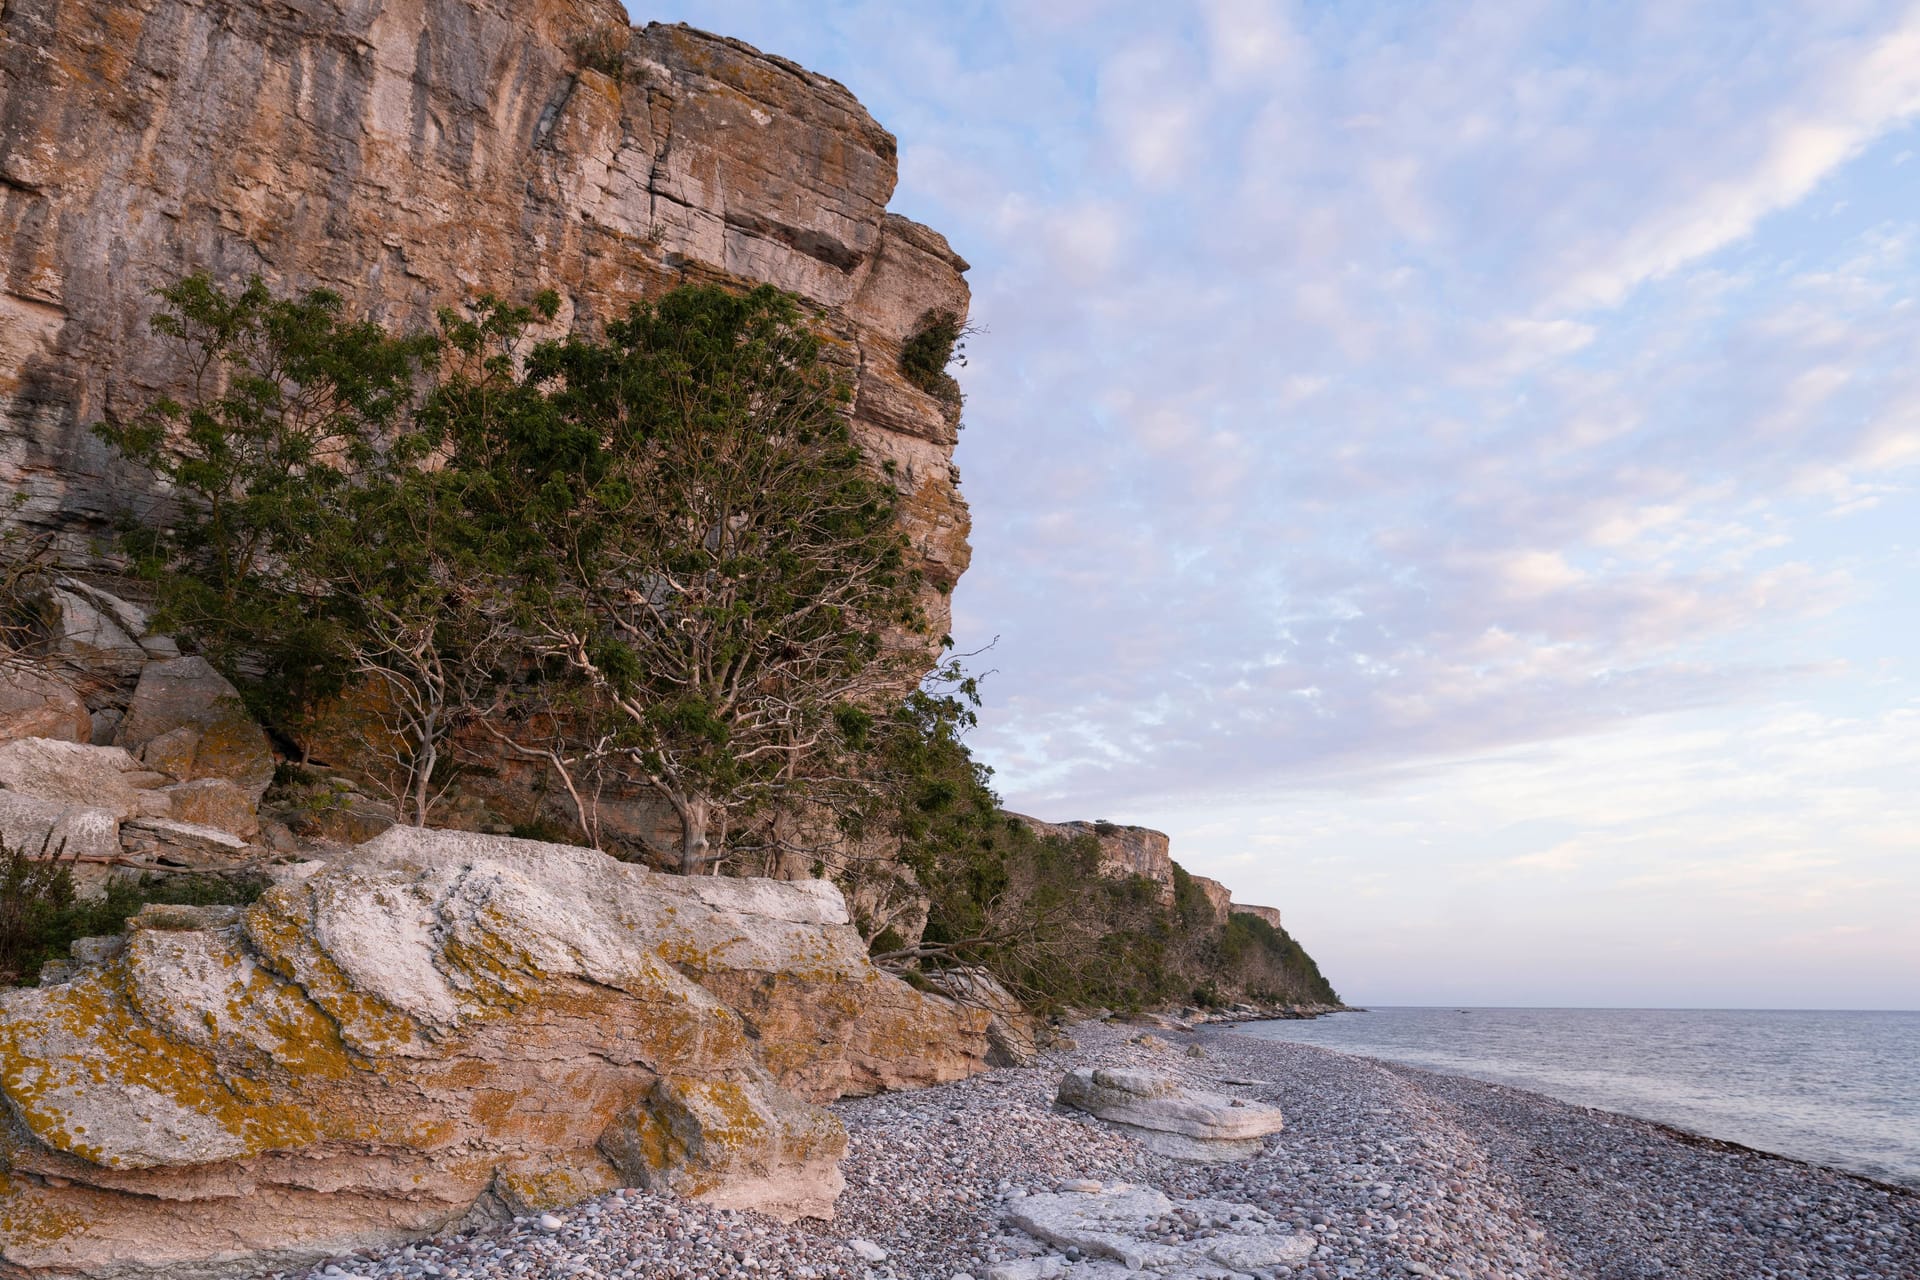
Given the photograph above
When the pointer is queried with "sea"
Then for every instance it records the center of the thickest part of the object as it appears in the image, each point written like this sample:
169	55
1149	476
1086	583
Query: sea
1840	1089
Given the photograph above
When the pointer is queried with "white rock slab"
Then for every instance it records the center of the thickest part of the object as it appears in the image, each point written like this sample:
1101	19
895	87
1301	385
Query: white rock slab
1108	1227
1169	1117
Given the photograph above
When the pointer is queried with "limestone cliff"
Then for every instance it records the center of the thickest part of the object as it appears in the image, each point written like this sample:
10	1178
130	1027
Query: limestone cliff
412	154
1269	914
1124	850
1219	897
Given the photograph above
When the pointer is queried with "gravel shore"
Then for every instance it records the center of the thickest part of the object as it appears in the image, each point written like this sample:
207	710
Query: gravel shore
1395	1172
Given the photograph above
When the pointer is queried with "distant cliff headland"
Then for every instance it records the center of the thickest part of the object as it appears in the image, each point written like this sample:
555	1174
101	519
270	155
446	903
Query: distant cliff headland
476	727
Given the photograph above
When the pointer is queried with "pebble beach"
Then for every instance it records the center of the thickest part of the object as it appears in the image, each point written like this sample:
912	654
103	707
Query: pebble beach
1384	1171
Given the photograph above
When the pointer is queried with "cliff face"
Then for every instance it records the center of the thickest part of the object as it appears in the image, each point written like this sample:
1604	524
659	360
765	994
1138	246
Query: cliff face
1144	852
1219	897
1124	851
412	154
1269	914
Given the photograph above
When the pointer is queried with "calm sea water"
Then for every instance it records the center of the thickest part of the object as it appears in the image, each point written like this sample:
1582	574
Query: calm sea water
1838	1089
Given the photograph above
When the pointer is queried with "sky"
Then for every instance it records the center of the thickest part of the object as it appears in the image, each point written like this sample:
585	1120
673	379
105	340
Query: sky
1454	467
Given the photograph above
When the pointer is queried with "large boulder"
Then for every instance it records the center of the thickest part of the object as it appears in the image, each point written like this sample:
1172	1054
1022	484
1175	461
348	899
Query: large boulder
213	802
441	1024
90	636
34	704
1167	1116
186	719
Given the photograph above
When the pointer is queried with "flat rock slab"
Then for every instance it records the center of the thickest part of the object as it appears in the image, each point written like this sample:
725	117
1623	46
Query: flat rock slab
1114	1222
1167	1116
54	828
77	773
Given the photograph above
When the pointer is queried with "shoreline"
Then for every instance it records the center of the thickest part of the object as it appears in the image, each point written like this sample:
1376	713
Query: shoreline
1678	1132
1393	1170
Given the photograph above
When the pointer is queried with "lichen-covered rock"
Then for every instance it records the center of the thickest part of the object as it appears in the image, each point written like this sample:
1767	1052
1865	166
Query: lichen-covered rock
34	704
1188	1124
187	720
213	802
739	1144
440	1022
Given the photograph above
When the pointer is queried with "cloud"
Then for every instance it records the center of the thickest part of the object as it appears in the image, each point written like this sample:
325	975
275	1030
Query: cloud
1872	87
1154	110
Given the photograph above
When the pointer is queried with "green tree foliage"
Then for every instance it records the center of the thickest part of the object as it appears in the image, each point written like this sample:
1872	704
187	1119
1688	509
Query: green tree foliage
289	406
671	528
311	542
703	554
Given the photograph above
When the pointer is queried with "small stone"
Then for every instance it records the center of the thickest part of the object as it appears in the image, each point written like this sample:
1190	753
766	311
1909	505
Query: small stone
550	1223
867	1250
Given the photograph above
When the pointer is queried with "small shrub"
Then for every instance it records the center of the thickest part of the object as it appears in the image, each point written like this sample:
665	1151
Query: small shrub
34	893
938	342
603	49
175	921
40	916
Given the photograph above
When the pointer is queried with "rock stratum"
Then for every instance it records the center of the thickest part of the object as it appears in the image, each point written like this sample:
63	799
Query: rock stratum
436	1027
414	154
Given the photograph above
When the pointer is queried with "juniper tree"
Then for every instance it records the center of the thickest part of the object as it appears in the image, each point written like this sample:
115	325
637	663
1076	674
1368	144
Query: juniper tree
704	556
310	541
